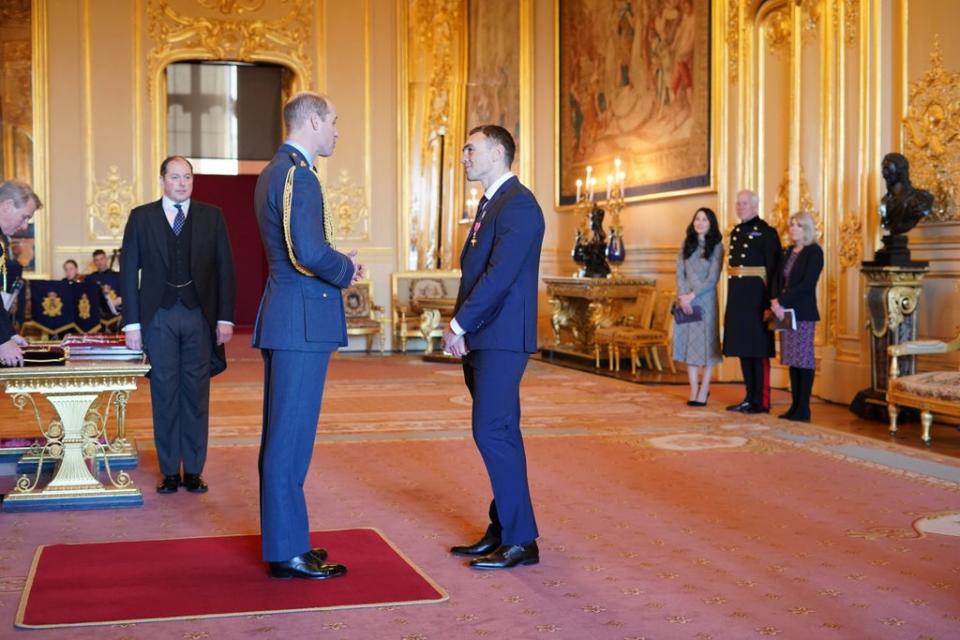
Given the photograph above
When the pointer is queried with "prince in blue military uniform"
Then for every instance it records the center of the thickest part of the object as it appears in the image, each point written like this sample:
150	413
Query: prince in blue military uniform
299	324
494	328
754	255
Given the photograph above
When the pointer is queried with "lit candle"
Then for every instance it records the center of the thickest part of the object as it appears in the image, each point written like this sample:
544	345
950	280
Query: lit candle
622	176
579	185
616	165
590	183
609	185
589	172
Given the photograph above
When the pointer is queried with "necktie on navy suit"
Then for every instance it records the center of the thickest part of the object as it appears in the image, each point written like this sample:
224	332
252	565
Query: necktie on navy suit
179	220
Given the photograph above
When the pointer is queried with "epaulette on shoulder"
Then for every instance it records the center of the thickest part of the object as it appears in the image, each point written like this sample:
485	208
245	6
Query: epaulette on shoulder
297	160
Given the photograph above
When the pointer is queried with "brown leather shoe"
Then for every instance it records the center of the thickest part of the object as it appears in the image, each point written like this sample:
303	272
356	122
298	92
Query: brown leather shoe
193	482
169	484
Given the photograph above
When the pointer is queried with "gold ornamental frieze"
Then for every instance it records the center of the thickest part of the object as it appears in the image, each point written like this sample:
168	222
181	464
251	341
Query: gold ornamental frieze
932	135
348	203
179	36
107	212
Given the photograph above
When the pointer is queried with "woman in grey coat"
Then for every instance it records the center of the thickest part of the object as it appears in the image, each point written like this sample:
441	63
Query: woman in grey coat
698	269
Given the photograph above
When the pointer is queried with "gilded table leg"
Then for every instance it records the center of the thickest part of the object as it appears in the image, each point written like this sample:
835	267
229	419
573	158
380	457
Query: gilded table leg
893	411
926	419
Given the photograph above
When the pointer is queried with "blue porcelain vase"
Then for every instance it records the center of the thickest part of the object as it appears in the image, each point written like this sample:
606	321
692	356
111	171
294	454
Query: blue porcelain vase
615	250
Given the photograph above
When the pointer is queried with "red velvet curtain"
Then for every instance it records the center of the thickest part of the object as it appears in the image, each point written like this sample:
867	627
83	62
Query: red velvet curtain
234	194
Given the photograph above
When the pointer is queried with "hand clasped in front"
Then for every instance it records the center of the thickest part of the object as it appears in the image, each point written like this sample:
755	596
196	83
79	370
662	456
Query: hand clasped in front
453	344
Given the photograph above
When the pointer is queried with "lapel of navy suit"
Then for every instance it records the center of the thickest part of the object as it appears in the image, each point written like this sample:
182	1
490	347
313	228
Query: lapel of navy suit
497	299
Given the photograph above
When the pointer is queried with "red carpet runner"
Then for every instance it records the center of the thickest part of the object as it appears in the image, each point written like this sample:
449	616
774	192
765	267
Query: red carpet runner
108	583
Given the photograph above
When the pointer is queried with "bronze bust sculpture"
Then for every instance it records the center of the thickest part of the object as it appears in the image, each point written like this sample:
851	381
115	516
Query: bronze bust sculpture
903	206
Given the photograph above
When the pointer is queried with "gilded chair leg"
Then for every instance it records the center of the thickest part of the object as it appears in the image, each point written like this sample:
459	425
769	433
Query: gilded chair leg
596	356
646	357
892	411
616	357
610	357
669	352
369	339
926	419
633	361
656	358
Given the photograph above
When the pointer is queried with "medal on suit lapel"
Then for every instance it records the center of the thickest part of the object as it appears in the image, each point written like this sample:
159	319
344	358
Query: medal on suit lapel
476	225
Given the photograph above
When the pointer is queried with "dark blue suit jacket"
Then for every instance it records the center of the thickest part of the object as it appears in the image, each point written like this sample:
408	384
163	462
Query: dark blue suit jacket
298	312
497	301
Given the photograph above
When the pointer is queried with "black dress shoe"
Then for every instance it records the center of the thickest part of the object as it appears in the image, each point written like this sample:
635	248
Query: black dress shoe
193	482
306	566
787	415
755	408
318	554
741	407
508	555
487	544
800	417
169	484
696	403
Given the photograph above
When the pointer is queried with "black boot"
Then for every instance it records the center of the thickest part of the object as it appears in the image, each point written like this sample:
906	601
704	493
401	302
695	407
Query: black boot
794	389
802	414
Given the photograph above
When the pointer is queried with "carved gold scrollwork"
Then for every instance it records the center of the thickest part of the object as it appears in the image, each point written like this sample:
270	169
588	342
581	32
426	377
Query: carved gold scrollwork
733	38
901	302
932	135
779	217
779	30
810	11
233	6
282	40
851	241
112	200
348	202
851	18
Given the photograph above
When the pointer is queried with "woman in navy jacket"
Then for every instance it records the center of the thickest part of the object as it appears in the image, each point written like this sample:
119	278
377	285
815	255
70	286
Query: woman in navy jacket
795	287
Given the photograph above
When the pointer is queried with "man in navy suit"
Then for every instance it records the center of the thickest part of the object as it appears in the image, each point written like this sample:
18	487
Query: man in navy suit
179	290
299	324
494	329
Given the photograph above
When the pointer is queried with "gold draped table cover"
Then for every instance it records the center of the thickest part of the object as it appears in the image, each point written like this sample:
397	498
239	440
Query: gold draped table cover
583	305
84	394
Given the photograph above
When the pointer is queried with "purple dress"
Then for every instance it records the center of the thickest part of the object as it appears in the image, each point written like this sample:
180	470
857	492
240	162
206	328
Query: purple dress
796	347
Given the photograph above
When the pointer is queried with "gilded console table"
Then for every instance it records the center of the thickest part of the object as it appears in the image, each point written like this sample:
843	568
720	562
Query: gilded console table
76	438
583	305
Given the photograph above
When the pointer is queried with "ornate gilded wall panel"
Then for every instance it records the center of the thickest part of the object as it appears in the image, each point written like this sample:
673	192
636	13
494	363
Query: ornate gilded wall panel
348	201
932	135
112	201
